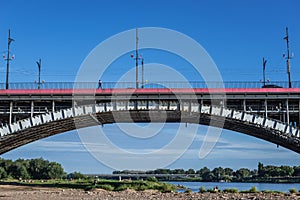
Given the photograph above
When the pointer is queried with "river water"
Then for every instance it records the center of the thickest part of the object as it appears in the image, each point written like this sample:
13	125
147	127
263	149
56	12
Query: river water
282	187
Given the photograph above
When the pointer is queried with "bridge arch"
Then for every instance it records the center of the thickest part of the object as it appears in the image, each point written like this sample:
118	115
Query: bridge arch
41	126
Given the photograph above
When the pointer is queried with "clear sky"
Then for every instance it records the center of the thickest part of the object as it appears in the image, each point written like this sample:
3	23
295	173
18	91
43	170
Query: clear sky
236	33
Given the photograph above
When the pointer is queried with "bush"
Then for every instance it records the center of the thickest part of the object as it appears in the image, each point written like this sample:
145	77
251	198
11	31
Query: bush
253	189
202	189
122	187
293	190
211	191
231	190
106	187
188	191
271	191
167	188
152	179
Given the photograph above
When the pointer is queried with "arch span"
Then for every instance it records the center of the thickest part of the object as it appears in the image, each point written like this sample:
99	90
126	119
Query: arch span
31	129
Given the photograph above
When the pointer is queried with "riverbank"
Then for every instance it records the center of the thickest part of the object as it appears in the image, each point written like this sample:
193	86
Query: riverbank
10	192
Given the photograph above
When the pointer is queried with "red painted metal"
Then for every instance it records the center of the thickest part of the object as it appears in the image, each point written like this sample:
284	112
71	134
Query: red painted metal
147	91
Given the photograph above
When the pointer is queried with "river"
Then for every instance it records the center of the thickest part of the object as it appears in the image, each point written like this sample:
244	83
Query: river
282	187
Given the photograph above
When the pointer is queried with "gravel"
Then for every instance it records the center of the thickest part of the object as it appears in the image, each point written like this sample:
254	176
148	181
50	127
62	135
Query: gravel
37	193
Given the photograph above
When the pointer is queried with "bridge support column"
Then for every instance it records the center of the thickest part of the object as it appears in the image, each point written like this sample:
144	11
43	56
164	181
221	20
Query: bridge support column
244	105
10	111
287	112
32	109
266	108
298	114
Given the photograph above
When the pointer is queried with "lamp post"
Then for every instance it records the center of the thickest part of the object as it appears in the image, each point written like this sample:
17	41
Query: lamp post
8	57
136	59
288	56
39	64
142	71
264	70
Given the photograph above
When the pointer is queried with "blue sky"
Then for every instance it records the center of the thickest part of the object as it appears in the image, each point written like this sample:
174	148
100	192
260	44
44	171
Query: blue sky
236	34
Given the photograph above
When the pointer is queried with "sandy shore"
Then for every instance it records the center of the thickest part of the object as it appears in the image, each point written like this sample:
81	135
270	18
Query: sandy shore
37	193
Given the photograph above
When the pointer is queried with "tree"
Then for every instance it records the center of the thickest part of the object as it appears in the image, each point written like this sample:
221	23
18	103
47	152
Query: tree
55	171
178	171
242	173
228	171
38	168
206	174
219	173
261	170
286	171
190	171
296	171
3	173
76	175
19	171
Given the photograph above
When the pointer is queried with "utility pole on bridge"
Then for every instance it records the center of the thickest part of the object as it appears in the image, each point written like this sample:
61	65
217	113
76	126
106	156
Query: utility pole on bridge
137	61
39	64
8	57
288	57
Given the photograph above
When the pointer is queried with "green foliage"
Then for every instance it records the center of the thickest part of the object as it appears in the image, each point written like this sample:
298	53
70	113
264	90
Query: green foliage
152	179
190	171
242	173
252	190
3	173
211	190
188	191
121	187
231	190
167	188
271	191
296	171
218	172
76	175
106	187
293	190
202	189
30	169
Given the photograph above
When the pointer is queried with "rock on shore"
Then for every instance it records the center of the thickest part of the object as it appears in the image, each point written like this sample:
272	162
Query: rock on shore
37	193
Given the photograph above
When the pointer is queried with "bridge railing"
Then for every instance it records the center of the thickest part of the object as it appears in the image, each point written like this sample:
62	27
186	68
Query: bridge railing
162	84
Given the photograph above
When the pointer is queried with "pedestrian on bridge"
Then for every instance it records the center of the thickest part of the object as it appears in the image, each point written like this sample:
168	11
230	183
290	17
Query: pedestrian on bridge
100	84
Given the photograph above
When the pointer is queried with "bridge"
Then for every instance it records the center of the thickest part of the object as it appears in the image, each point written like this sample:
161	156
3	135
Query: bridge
28	114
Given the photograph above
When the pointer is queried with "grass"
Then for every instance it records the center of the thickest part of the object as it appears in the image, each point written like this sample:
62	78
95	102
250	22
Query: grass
110	185
202	189
231	190
252	190
293	191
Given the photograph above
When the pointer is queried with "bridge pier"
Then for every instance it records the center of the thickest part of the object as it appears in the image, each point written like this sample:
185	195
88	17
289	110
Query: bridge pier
298	114
32	109
287	112
53	106
266	108
10	111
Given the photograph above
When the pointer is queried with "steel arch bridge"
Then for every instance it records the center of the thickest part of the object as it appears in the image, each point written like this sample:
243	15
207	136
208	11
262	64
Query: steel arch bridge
41	126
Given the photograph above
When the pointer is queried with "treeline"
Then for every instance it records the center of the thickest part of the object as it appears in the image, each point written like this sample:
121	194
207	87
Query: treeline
227	174
31	169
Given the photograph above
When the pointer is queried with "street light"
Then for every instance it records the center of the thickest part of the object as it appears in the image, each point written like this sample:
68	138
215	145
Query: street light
8	59
264	71
288	65
39	63
136	61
